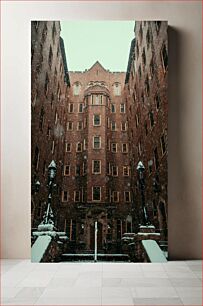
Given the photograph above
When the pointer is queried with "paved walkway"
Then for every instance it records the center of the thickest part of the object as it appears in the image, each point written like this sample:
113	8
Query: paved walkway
172	283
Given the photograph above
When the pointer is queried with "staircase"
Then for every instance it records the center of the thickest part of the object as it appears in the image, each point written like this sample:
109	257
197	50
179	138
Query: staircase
89	256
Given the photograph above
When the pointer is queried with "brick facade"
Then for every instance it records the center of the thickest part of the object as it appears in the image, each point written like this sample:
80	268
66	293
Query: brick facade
97	125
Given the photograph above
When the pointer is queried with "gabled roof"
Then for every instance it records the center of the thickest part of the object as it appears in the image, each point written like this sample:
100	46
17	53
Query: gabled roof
97	65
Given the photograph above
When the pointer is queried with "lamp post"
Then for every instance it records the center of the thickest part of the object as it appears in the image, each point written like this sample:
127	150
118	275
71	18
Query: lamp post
140	170
48	217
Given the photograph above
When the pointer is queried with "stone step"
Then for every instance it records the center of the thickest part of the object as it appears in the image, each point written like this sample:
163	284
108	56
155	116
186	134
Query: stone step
100	257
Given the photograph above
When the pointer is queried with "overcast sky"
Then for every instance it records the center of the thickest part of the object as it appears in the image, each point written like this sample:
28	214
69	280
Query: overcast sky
105	41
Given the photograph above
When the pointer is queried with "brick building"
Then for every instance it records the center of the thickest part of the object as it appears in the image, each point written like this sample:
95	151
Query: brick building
147	112
97	125
49	92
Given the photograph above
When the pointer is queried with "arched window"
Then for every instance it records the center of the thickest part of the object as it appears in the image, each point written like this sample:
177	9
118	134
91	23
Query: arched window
76	88
117	89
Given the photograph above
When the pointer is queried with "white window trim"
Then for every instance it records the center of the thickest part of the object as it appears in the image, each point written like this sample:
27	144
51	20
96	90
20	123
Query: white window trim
77	146
124	130
64	170
126	148
112	147
122	104
63	196
114	108
127	169
99	143
99	120
67	146
129	193
53	147
118	194
78	125
93	166
69	105
112	126
68	126
75	196
112	167
93	194
79	108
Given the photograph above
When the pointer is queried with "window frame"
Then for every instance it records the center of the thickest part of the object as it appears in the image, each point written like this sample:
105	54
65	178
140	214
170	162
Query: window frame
117	194
93	144
65	168
94	120
112	145
93	170
99	193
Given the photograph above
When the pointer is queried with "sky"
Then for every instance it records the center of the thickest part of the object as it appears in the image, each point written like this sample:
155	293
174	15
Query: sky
105	41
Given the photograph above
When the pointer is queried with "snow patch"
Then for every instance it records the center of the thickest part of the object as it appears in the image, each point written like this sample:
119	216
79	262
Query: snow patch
153	251
39	248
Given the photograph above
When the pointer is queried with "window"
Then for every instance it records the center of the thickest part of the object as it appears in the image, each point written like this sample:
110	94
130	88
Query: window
139	148
158	26
68	147
76	196
50	56
97	120
80	108
140	72
58	93
69	126
79	147
113	108
126	171
80	125
157	101
123	126
163	144
122	108
108	144
146	128
136	120
46	85
115	196
144	57
84	168
108	166
66	170
36	24
127	197
71	108
147	89
151	119
96	166
148	39
53	147
140	34
96	142
113	126
164	56
54	32
77	170
56	118
156	158
41	119
150	164
64	196
76	88
115	170
114	147
96	193
48	131
152	70
117	89
36	158
84	144
124	147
